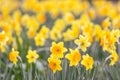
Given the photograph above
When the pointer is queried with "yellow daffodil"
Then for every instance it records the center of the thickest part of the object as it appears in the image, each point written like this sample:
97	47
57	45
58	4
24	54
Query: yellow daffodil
91	13
25	20
32	56
106	34
44	31
32	22
54	64
74	57
69	18
110	39
2	49
113	12
13	56
3	37
7	30
88	31
106	23
72	33
41	18
58	49
109	44
17	16
59	25
39	40
75	29
114	58
68	35
31	33
55	34
87	61
54	13
115	33
16	27
84	5
6	27
115	22
82	42
97	32
84	19
104	8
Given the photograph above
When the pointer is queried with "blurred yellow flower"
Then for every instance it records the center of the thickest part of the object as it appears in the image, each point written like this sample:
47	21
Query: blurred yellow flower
84	5
68	35
17	15
13	56
82	42
6	27
91	13
88	30
59	25
87	61
55	34
44	31
74	57
114	58
3	37
31	33
54	64
16	27
115	22
97	32
2	49
31	22
115	33
113	12
41	18
106	23
54	13
32	56
75	29
39	40
58	49
69	18
110	38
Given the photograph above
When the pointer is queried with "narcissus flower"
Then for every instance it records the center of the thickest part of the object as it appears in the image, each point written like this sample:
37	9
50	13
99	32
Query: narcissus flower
31	33
87	61
82	43
44	31
68	35
32	56
3	37
39	40
68	17
110	39
54	64
114	58
2	49
74	57
106	23
58	49
55	34
97	32
6	27
41	18
91	13
13	56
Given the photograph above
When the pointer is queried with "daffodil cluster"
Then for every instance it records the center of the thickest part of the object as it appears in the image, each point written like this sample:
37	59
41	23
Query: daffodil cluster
77	32
57	51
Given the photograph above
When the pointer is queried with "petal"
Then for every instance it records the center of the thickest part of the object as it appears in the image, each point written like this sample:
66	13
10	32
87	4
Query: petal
61	44
53	43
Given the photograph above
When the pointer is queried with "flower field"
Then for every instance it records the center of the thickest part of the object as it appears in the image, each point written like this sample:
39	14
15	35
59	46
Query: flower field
59	40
